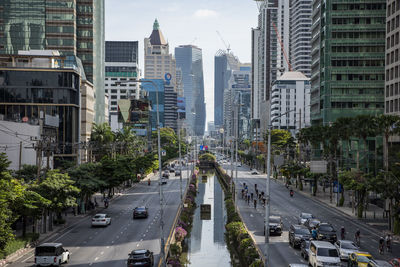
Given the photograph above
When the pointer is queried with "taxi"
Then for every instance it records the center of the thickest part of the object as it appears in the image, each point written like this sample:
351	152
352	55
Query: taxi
359	259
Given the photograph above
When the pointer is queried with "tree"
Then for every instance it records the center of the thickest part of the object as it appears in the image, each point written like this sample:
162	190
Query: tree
128	142
364	126
102	138
27	173
387	127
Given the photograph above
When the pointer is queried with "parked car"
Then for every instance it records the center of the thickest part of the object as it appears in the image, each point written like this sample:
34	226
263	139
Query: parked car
298	233
323	253
275	225
345	248
163	181
177	173
171	169
254	172
165	174
140	212
51	254
380	263
101	219
304	217
360	259
311	223
326	232
140	257
305	249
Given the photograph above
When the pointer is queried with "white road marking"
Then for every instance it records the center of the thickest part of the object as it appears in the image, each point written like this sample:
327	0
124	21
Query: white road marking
137	245
101	253
95	259
108	246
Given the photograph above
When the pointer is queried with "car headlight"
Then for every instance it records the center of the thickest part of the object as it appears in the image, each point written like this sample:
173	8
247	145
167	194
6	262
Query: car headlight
320	235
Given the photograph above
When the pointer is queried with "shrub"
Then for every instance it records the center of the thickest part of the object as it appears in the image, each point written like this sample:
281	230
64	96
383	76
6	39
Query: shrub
341	201
176	250
257	263
244	244
18	243
180	233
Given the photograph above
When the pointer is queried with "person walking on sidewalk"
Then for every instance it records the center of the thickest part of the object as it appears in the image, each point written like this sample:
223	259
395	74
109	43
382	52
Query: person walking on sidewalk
255	203
357	237
252	196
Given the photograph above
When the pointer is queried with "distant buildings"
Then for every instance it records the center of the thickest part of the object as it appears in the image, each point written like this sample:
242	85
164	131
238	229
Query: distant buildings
189	60
122	72
290	102
152	92
71	27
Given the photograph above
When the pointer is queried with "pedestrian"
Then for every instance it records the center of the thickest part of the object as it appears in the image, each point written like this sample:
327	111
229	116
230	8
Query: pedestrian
255	186
251	195
257	192
242	193
255	203
264	200
314	233
342	233
388	240
248	199
357	237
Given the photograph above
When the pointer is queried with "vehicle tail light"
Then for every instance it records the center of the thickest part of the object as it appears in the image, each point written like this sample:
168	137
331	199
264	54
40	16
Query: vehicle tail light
55	259
103	220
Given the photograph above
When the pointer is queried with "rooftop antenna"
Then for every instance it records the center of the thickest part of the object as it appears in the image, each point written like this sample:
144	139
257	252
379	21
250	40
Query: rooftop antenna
227	46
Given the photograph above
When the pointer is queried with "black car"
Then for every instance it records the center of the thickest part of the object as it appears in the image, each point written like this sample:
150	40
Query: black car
275	225
140	212
305	249
326	232
311	223
140	257
298	233
166	174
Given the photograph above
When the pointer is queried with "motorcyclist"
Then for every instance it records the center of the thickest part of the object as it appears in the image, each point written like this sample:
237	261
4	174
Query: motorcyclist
149	182
381	245
291	192
342	233
106	202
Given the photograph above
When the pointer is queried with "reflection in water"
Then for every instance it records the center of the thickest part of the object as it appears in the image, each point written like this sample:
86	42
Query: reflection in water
207	245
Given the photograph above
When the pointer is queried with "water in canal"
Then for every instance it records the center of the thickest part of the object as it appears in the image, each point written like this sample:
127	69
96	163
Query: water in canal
207	244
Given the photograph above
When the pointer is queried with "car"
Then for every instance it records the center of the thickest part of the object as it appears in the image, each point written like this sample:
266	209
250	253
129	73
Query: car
311	223
177	173
165	174
380	263
360	259
239	164
326	232
140	257
171	169
305	249
275	225
297	265
395	262
163	181
140	212
304	217
53	254
101	219
345	248
323	253
254	172
298	233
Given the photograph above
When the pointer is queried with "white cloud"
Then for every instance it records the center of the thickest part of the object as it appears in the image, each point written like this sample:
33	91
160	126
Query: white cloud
205	13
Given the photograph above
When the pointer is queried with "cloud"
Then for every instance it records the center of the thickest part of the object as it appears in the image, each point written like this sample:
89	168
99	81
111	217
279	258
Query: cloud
205	13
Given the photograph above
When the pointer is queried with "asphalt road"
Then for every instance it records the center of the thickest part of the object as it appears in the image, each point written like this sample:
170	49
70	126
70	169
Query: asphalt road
290	208
110	246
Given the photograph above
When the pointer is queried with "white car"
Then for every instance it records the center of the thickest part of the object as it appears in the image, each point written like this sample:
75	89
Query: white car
323	253
345	248
51	254
101	219
254	172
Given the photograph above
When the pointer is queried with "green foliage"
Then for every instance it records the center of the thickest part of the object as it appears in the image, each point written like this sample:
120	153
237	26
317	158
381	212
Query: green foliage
18	243
396	228
27	173
207	157
87	179
281	140
341	201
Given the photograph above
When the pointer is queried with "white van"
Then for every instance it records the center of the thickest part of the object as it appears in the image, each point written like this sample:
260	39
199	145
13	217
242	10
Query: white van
323	253
51	254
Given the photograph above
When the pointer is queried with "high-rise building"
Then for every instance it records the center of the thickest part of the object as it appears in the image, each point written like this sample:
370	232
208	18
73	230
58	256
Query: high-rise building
224	64
152	93
189	60
300	36
290	102
392	66
157	59
348	59
170	108
73	27
122	73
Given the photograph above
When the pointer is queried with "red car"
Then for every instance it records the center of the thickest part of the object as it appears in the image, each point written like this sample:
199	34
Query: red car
395	262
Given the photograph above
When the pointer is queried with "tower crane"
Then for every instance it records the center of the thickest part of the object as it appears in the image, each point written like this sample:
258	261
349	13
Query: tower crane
227	46
282	47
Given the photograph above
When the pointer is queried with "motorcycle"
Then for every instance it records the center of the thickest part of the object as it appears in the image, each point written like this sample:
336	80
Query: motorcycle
291	193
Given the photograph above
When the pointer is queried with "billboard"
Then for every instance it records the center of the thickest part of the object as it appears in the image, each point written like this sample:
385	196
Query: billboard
139	116
181	104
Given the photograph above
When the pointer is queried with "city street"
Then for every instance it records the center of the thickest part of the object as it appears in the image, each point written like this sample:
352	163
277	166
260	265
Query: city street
110	246
289	208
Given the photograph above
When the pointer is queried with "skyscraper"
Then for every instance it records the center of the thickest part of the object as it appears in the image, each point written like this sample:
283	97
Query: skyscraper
300	36
73	27
157	59
348	59
122	72
224	64
189	60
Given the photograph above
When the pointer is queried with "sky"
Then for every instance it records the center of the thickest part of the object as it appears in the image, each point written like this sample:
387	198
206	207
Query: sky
185	22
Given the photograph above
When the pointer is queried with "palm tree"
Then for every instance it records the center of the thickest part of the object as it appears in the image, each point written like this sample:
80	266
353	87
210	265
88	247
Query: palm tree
102	138
364	126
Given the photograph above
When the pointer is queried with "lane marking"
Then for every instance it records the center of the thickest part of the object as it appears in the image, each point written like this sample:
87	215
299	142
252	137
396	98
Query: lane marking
95	259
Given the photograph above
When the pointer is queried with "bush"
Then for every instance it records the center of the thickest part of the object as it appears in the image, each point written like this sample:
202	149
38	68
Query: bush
18	243
341	201
257	263
207	157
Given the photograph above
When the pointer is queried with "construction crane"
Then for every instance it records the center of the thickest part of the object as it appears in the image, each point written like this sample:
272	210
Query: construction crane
282	48
227	46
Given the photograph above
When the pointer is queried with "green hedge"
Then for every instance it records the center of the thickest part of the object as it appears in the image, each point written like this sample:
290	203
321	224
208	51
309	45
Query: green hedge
18	243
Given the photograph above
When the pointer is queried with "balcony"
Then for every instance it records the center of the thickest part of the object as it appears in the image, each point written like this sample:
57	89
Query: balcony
364	56
357	98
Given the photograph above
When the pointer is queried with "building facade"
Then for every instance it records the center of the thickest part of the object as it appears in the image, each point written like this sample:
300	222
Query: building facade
392	66
122	74
170	108
189	60
73	27
157	59
290	102
347	76
300	36
152	93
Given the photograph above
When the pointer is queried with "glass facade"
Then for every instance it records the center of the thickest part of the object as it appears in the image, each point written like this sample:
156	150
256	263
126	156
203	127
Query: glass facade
120	51
152	97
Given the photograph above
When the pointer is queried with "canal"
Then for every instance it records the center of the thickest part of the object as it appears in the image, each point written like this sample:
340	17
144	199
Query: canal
207	243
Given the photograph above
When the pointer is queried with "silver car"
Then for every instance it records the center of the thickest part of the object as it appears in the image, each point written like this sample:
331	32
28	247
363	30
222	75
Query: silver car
304	217
345	248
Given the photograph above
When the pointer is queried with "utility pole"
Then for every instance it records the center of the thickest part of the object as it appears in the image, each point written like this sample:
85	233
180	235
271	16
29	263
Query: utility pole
236	153
180	162
20	155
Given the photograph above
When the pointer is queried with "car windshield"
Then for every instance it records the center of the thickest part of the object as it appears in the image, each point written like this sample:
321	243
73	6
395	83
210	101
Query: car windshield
274	220
306	215
98	216
314	222
45	251
364	259
346	245
327	252
302	231
141	209
326	228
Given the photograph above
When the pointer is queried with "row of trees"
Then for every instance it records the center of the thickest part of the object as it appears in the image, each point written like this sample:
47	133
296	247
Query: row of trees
118	159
